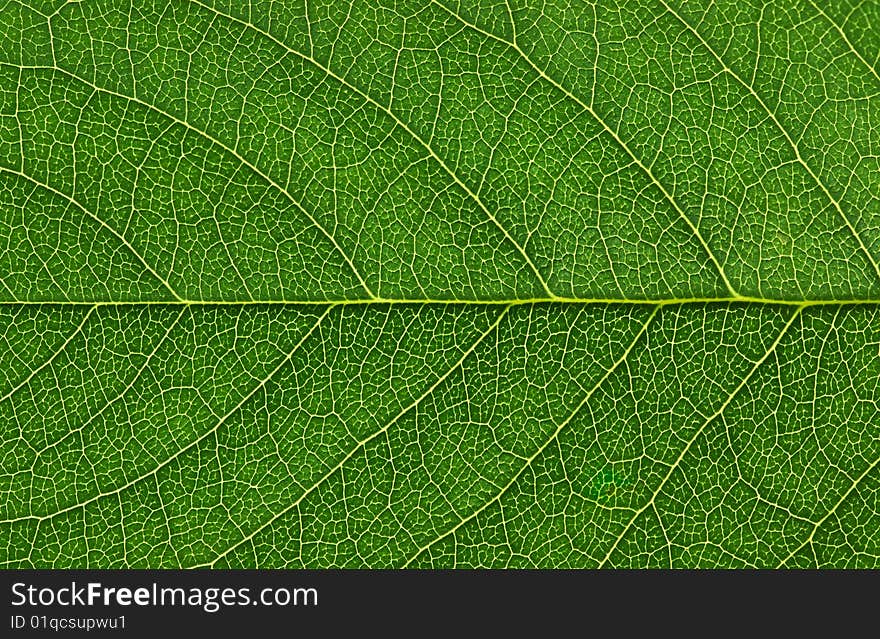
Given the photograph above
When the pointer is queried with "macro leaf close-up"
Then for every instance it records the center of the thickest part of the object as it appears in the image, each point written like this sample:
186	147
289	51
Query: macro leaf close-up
439	284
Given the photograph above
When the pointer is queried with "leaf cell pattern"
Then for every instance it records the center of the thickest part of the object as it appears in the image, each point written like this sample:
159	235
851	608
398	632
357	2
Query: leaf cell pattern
510	283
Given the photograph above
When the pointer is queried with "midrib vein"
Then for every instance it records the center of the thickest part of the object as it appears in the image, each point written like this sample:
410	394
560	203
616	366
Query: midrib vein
455	302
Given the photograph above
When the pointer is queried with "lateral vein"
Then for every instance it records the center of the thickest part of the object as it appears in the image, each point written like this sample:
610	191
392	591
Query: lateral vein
492	327
699	431
541	449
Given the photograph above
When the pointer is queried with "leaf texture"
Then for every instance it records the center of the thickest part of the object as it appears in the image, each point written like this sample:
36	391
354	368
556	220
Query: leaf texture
439	284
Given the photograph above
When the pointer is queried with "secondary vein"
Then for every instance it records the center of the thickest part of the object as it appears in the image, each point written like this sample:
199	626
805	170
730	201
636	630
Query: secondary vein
492	327
674	466
543	447
784	132
461	184
620	142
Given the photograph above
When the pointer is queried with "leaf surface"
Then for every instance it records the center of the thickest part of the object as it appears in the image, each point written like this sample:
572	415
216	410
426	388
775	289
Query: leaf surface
398	283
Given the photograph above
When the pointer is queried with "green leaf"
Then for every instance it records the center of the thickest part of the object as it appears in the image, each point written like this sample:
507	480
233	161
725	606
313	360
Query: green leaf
397	283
